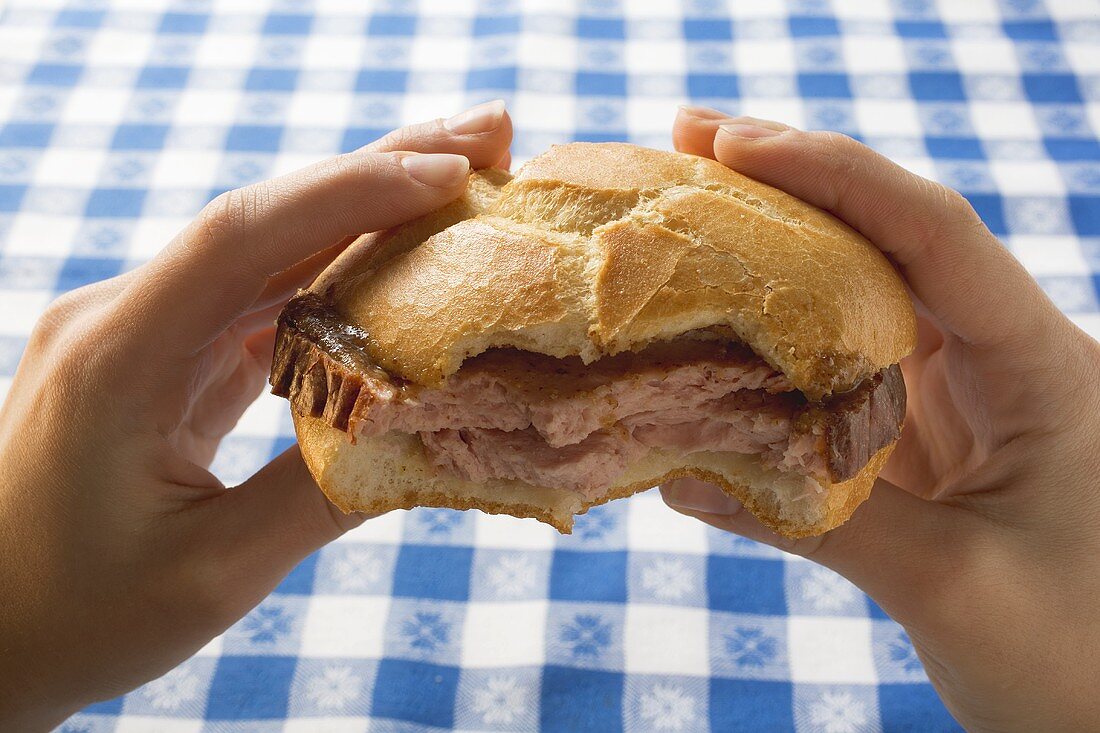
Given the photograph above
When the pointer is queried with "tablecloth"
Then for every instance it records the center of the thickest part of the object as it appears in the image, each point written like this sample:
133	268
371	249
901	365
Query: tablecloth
119	119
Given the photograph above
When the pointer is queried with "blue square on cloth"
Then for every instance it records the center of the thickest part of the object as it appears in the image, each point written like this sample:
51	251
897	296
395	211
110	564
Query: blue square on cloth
813	25
287	24
917	705
991	209
381	80
750	705
588	576
939	86
503	77
25	135
55	75
80	271
183	23
357	137
11	197
589	136
712	85
115	202
601	84
250	687
955	148
300	579
1061	88
416	692
391	25
581	700
874	610
588	27
253	138
271	80
708	29
920	29
162	77
430	571
1030	30
492	25
139	137
106	707
744	585
824	85
79	18
1072	148
1085	212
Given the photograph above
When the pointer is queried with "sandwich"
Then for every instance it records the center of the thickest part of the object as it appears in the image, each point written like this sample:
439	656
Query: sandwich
609	318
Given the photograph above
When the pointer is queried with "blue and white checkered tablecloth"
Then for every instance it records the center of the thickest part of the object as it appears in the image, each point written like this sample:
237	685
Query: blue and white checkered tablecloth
118	120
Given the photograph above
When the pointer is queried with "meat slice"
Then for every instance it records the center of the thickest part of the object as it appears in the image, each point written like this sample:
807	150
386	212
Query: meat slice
566	401
832	440
558	422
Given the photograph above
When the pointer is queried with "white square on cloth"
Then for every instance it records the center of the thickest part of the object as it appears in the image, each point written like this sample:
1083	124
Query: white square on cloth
666	640
1004	120
830	649
345	626
504	634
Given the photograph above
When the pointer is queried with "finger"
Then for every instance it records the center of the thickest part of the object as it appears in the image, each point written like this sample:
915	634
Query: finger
280	287
263	528
694	129
892	535
219	266
931	232
482	134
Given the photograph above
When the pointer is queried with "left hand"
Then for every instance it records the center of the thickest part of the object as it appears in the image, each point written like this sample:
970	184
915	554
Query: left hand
120	553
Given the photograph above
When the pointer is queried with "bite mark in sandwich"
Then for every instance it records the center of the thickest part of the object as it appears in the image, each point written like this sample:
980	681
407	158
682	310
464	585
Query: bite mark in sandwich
610	318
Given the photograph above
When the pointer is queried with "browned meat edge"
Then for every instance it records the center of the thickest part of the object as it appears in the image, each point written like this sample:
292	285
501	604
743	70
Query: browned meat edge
321	364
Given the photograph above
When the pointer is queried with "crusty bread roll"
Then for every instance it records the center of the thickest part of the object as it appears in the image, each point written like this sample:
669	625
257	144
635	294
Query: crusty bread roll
591	250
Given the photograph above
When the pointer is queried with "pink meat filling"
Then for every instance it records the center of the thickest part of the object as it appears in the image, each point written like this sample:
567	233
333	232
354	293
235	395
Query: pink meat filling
551	422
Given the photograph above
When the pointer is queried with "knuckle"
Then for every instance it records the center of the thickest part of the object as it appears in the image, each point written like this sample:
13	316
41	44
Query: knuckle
949	211
57	320
231	213
411	137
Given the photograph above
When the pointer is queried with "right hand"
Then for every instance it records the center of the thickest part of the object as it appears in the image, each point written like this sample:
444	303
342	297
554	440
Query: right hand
982	536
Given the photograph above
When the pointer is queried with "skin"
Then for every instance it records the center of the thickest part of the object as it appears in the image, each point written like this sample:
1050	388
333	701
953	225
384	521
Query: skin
980	537
121	555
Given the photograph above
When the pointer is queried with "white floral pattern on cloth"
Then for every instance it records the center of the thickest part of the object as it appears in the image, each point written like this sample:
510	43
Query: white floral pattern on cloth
667	707
828	591
501	701
174	690
668	579
838	712
358	568
333	687
512	576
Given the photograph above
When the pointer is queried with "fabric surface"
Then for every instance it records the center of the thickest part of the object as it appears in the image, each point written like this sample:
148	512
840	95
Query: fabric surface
118	120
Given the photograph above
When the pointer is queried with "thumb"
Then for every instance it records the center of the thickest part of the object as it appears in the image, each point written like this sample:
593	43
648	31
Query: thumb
270	523
894	547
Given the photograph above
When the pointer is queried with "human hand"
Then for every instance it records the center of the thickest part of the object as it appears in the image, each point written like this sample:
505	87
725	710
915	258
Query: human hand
980	538
120	554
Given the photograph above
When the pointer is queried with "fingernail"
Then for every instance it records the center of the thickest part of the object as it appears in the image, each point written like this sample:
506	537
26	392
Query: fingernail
704	113
752	128
482	118
441	170
687	493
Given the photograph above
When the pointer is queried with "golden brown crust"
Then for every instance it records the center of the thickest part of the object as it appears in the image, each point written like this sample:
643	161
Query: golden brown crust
595	248
372	477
